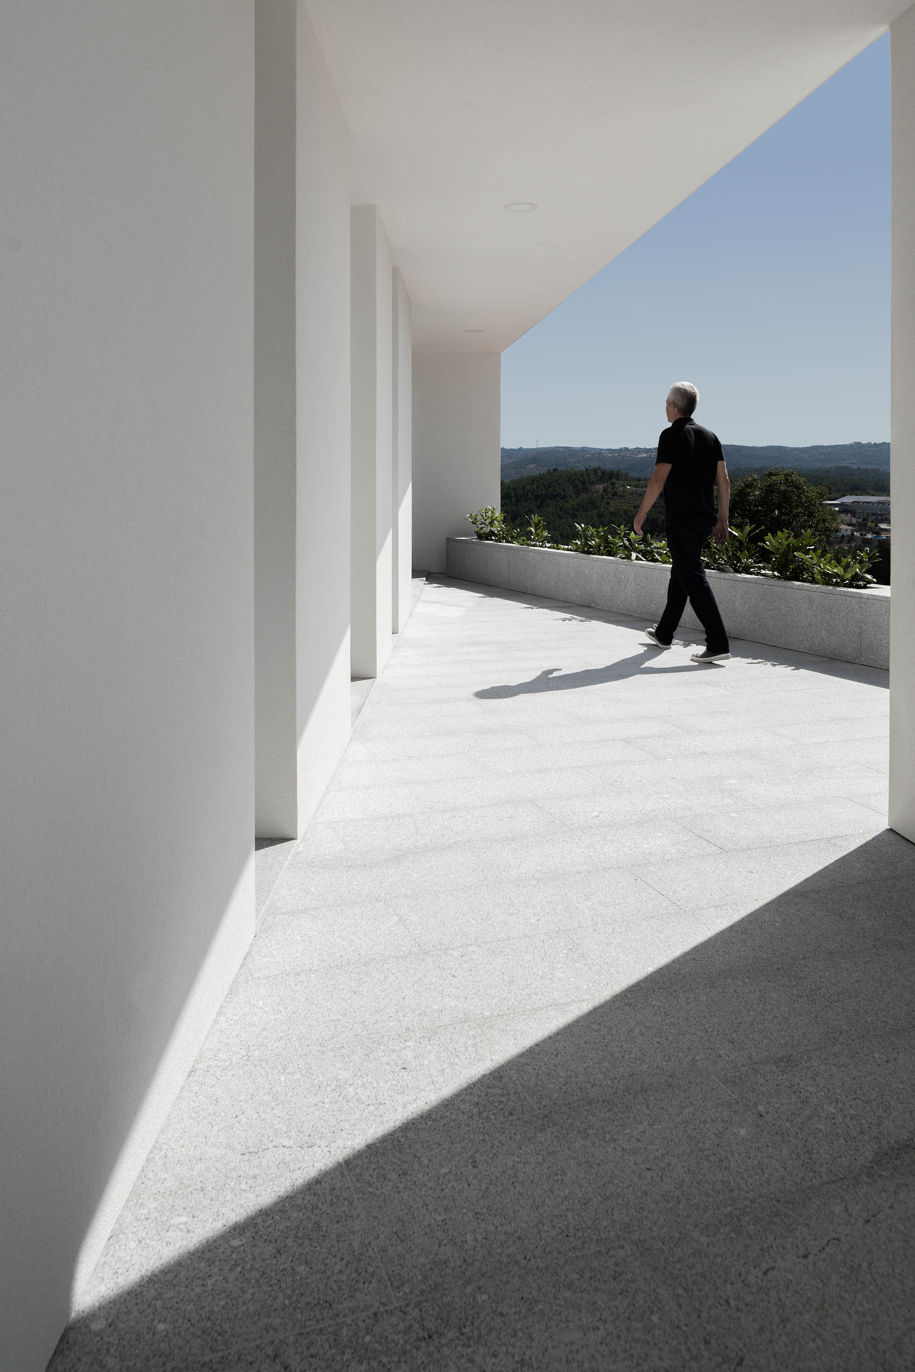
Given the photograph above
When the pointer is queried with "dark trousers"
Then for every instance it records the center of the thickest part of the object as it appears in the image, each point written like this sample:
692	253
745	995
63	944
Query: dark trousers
689	582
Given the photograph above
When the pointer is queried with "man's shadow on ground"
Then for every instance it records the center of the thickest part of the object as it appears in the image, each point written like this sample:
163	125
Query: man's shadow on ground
547	680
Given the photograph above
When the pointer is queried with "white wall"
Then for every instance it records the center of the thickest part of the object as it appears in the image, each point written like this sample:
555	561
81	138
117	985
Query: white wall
402	448
902	623
372	439
456	447
127	601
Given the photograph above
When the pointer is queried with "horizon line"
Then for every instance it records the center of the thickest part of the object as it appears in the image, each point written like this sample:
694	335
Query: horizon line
638	447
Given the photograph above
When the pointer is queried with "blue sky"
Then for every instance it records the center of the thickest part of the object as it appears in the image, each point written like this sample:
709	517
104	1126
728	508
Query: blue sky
769	288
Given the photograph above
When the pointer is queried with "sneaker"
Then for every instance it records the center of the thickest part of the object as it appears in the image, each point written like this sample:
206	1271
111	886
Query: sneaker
651	635
709	656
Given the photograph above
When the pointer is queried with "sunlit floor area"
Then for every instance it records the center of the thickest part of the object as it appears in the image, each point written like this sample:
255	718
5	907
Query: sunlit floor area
577	1033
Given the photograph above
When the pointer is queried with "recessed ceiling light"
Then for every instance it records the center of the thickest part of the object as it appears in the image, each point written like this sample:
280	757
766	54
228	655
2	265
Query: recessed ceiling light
473	330
521	206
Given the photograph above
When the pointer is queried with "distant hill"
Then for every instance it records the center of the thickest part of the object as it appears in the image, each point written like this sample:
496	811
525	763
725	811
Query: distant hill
639	461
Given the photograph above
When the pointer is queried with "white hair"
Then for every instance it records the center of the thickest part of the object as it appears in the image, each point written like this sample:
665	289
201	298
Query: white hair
684	397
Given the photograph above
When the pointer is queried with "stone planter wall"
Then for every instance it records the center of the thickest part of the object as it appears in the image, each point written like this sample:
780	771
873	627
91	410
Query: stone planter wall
850	626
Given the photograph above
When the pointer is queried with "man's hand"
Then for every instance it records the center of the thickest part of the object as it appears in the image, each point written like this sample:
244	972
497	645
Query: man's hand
637	525
721	531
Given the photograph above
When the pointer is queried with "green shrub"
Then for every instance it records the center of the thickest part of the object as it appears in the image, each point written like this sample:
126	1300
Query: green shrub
618	541
632	547
788	556
798	558
738	553
588	539
491	526
535	534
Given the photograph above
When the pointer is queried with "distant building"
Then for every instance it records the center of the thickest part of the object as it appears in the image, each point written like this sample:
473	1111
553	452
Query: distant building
874	507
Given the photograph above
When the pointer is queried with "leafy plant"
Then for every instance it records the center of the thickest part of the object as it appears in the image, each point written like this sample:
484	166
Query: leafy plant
491	526
588	539
738	553
618	541
535	534
848	569
787	555
632	547
797	558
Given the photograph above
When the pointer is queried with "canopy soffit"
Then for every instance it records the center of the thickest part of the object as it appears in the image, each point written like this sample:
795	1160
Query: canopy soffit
605	114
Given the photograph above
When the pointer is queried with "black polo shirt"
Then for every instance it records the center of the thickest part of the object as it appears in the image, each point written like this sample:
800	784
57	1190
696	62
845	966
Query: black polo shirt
693	453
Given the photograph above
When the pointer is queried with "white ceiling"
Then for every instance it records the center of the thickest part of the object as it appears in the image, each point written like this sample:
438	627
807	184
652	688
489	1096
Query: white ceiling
606	113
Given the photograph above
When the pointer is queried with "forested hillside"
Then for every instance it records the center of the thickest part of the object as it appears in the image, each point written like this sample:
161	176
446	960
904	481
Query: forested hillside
593	496
639	461
600	496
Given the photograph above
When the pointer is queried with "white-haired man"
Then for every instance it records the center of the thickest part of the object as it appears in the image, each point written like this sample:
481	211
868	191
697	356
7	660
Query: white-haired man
690	466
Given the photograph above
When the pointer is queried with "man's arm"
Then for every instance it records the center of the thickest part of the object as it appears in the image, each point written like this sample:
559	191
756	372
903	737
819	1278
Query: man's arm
652	491
723	482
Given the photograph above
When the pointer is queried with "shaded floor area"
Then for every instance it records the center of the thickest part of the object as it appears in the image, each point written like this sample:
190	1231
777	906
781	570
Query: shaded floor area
578	1033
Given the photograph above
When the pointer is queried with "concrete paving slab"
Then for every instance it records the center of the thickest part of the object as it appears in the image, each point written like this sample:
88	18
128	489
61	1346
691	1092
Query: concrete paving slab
348	933
508	1181
479	789
603	1311
271	857
390	999
539	756
424	767
298	1108
854	781
838	1107
324	881
542	905
737	1279
747	877
459	824
756	826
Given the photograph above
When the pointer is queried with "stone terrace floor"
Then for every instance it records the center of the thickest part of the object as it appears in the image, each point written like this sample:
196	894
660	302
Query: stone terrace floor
577	1035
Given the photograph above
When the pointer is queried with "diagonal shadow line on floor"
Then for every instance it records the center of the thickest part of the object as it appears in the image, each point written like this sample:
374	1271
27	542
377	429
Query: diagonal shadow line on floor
713	1169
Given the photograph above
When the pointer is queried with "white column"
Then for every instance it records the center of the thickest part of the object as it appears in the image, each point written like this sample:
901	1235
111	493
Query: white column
902	621
275	418
456	446
302	421
402	453
322	288
372	437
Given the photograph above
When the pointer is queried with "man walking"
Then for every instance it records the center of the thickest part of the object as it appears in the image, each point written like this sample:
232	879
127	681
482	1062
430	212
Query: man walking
689	466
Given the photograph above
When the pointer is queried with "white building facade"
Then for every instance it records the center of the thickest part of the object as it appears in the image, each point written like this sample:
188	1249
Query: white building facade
257	276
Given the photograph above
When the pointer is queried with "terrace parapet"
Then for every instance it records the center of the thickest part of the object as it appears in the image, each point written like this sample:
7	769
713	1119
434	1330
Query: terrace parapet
828	621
